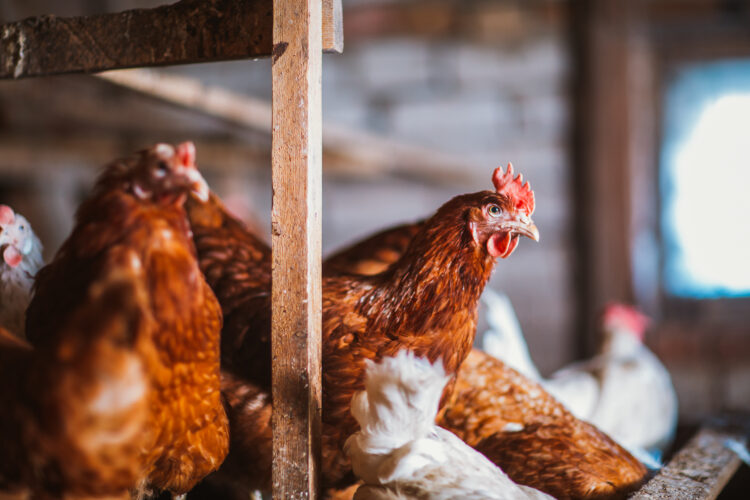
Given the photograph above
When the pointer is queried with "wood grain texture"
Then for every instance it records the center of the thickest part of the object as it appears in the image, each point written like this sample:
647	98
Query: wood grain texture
333	26
699	471
189	31
296	243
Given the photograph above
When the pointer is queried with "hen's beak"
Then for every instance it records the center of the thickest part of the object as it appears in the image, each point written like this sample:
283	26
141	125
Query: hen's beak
523	225
198	184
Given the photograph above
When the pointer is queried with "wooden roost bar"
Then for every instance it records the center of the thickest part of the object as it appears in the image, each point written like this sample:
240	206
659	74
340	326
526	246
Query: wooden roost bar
294	33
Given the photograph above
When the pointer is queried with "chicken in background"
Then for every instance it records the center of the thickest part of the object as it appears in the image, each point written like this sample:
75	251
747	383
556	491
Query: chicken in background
135	222
505	341
624	390
426	302
637	403
75	411
400	453
374	254
237	265
22	258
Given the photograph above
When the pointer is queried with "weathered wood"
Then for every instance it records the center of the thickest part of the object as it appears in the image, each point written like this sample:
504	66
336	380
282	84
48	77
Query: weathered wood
348	151
604	122
699	471
296	241
333	26
189	31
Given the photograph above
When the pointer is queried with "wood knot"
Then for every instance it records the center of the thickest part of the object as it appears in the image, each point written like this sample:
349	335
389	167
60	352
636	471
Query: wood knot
278	51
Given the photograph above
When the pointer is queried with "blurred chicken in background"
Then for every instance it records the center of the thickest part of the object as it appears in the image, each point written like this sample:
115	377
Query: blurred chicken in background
134	224
624	390
22	258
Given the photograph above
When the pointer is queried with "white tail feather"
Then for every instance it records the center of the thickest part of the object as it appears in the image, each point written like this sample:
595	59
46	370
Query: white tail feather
399	448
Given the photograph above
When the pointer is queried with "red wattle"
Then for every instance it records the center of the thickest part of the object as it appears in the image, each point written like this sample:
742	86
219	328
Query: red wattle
12	256
502	244
498	243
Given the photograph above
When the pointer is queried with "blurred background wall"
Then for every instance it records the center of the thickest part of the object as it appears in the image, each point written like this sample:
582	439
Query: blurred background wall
575	94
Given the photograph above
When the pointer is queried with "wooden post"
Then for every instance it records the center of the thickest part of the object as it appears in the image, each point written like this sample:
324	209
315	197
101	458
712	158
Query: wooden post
296	240
602	37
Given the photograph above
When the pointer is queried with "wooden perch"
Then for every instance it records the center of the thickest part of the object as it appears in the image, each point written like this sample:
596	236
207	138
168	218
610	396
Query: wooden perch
699	471
189	31
347	151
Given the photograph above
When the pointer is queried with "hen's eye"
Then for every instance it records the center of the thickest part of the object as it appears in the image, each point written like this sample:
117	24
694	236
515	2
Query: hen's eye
161	169
494	210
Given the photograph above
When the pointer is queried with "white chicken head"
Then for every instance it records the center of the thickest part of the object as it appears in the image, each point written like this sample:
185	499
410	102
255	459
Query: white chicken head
17	240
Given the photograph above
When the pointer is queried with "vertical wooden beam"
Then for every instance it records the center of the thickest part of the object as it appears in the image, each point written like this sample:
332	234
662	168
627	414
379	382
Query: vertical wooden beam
296	240
602	36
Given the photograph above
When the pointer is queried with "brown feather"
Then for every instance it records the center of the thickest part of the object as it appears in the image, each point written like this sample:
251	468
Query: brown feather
586	463
374	254
425	302
532	437
61	432
187	427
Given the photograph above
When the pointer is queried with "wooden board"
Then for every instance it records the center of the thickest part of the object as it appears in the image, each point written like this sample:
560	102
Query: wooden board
348	151
699	471
189	31
603	139
296	242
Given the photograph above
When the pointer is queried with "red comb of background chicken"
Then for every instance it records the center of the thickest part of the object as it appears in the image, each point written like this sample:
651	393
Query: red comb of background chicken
186	153
515	189
623	316
7	216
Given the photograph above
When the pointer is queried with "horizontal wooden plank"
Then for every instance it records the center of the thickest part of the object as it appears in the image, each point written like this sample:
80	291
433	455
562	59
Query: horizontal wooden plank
347	150
189	31
699	471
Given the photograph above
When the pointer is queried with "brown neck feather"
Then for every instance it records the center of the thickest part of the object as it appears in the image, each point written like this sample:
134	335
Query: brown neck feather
441	274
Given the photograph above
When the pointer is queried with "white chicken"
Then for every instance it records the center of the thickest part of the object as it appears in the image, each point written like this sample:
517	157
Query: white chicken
22	258
625	390
400	453
576	388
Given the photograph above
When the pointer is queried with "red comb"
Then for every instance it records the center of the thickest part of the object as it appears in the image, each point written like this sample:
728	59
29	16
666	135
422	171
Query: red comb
520	193
186	153
625	316
7	216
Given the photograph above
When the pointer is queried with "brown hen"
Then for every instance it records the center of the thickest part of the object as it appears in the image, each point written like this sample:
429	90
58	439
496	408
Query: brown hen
74	411
374	254
491	401
425	302
532	437
136	212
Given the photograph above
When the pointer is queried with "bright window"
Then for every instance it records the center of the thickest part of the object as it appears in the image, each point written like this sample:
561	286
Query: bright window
705	182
